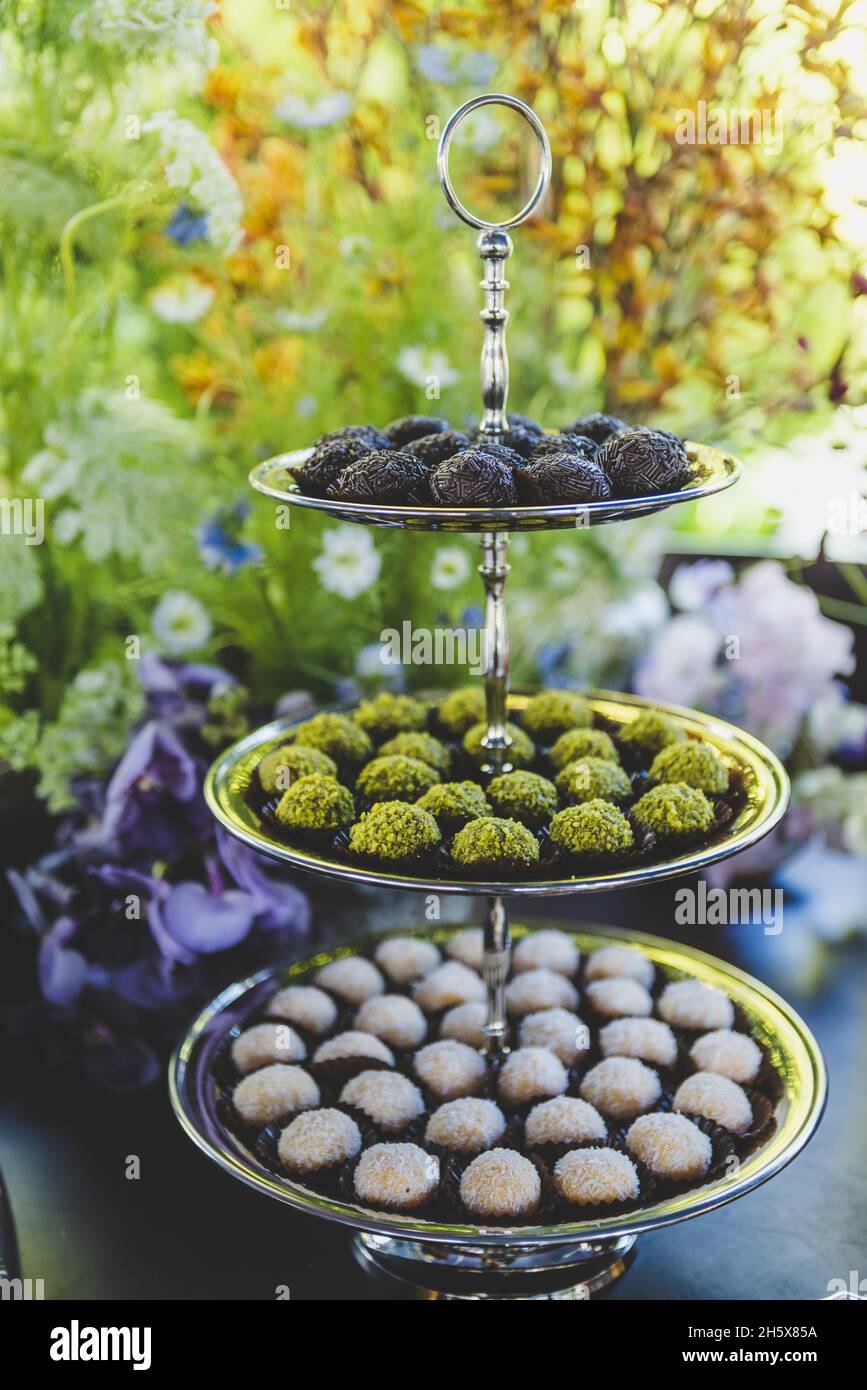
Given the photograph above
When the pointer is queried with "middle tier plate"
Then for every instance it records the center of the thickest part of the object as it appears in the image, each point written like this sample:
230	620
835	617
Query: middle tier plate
766	796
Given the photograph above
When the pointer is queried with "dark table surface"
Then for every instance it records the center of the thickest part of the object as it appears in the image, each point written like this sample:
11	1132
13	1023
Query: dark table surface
184	1229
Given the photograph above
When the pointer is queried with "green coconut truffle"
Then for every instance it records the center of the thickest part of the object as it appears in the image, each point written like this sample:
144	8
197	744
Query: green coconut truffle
551	712
386	715
461	709
337	736
693	762
315	803
280	768
494	845
650	732
521	750
422	746
395	779
674	810
394	831
454	803
582	743
589	778
523	796
593	828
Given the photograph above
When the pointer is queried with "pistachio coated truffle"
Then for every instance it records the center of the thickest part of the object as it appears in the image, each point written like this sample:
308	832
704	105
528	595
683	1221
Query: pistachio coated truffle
619	998
385	1097
264	1043
387	714
395	832
582	743
466	1126
468	947
334	734
671	1146
529	1073
397	1177
461	709
501	1183
563	1120
315	803
674	810
318	1139
690	1004
354	1044
395	779
561	1031
423	747
394	1018
695	763
533	990
450	984
620	962
277	1090
450	1069
491	845
455	803
621	1086
305	1006
716	1098
523	796
593	779
596	1178
644	1038
465	1023
521	750
406	958
730	1054
650	732
546	950
552	712
593	829
352	978
280	768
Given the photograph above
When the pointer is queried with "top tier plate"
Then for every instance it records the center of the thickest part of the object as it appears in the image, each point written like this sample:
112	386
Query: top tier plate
714	471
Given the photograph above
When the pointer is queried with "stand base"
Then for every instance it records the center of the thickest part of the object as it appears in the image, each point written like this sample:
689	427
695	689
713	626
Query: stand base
424	1270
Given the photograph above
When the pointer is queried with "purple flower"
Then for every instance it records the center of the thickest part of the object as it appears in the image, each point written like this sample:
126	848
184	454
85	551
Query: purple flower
279	904
186	226
180	690
63	972
187	920
153	801
220	544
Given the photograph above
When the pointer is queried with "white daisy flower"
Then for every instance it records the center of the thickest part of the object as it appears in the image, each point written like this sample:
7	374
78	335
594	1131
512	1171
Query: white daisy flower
182	301
451	566
193	165
349	562
180	622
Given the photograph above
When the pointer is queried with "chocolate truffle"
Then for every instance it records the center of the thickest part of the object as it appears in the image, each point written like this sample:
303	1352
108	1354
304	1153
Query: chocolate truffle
644	1038
523	796
280	768
339	737
533	990
389	476
690	1004
619	962
422	747
546	950
461	709
567	477
318	1139
387	715
433	448
520	752
593	779
592	830
395	779
696	763
468	947
324	466
529	1073
596	1178
277	1090
406	958
365	434
582	743
563	1120
410	427
396	1177
450	1069
640	463
650	732
501	1183
621	1087
315	803
552	712
730	1054
619	998
385	1097
452	804
466	1126
674	811
473	479
491	845
352	978
465	1023
671	1146
352	1044
560	1031
596	427
451	983
394	1018
304	1006
395	832
716	1098
264	1043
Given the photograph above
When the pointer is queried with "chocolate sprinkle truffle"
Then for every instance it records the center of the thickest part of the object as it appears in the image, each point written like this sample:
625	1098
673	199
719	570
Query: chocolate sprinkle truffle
389	475
406	958
451	983
465	1023
396	1177
546	950
563	1120
596	1177
433	448
352	978
450	1069
620	962
351	1045
641	463
277	1090
717	1098
690	1004
567	477
621	1086
264	1043
305	1006
561	1031
644	1038
596	427
502	1184
394	1018
529	1073
385	1097
473	478
619	998
410	427
318	1139
324	466
671	1146
468	947
466	1126
533	990
730	1054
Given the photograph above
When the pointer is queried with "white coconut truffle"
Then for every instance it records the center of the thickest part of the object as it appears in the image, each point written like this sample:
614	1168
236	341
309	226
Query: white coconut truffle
560	1031
406	958
386	1097
277	1090
448	985
645	1038
716	1098
466	1126
264	1043
318	1139
351	978
464	1023
394	1018
619	998
399	1177
596	1177
530	1072
671	1146
620	962
690	1004
501	1183
564	1120
621	1087
450	1069
539	989
353	1044
468	947
305	1006
546	950
730	1054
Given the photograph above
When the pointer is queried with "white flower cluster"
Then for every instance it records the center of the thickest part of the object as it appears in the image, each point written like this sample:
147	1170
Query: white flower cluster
142	30
193	165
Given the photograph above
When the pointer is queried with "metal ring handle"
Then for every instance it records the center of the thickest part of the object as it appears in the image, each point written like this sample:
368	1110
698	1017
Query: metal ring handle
493	99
